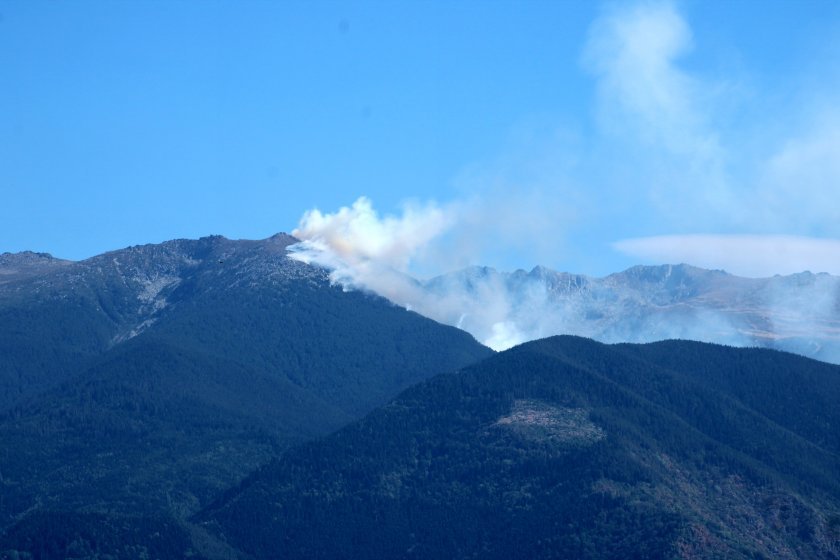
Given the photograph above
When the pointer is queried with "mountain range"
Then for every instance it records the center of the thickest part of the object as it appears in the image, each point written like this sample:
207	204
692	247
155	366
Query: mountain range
143	381
798	313
215	399
567	448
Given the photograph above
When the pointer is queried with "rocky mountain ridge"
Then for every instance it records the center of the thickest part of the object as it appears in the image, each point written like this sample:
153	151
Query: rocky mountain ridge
144	380
798	313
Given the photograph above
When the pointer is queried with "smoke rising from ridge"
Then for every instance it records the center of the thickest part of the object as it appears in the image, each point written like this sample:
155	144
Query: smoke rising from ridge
359	236
366	251
665	161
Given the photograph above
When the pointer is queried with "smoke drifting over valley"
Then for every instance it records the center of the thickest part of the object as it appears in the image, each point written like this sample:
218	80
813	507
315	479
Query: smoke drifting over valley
364	251
367	252
677	167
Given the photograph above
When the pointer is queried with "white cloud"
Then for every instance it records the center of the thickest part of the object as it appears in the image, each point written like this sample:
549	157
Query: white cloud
743	255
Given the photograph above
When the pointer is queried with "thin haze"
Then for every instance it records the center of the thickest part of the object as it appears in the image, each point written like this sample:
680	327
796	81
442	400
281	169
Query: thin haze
670	155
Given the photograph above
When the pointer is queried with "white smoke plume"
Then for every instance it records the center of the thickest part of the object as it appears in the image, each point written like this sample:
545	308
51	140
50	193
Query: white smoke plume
501	309
665	158
358	236
365	251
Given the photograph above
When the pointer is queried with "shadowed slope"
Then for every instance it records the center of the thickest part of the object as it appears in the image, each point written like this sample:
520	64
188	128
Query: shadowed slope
202	360
561	448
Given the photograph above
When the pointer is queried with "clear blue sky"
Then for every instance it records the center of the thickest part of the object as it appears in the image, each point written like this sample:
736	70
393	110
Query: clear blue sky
588	124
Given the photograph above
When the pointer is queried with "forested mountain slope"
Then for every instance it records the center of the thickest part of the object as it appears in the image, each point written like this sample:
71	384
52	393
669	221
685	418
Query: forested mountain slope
567	448
144	381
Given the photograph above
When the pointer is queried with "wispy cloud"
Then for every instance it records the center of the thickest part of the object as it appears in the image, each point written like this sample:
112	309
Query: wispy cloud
699	173
634	54
662	114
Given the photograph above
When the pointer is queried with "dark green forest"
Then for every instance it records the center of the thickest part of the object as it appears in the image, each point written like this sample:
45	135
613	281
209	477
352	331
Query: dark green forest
236	361
214	399
563	448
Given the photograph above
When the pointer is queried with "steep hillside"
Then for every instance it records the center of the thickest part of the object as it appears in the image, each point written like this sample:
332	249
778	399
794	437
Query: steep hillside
144	381
567	448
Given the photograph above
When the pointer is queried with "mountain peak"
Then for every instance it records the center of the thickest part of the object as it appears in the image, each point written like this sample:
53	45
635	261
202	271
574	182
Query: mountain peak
26	264
25	257
668	270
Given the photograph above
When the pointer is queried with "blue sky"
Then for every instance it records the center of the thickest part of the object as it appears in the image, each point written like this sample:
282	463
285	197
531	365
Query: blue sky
586	137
